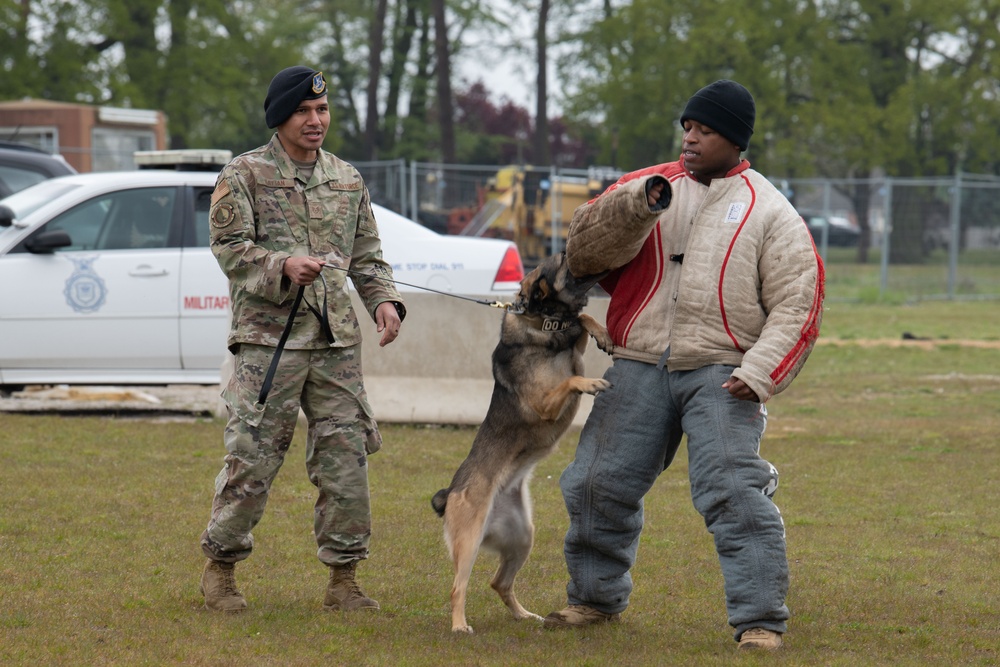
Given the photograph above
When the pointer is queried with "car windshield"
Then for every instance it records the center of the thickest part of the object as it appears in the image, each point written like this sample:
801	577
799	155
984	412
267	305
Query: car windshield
15	179
26	201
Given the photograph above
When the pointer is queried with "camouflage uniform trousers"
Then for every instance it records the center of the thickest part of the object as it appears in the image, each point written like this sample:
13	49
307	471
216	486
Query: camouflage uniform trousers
327	385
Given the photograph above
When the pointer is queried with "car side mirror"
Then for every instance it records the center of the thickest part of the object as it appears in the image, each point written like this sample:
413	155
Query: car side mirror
47	242
6	216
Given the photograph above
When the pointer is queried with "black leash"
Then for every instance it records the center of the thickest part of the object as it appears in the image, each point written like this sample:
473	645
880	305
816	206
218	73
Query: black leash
482	302
265	388
324	322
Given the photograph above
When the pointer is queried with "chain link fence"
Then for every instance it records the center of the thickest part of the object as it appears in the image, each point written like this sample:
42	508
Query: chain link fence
531	206
902	239
905	238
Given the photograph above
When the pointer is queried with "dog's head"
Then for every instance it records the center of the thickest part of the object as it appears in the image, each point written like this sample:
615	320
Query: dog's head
552	291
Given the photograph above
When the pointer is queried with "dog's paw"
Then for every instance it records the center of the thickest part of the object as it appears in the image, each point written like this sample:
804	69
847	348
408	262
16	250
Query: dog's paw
521	614
604	342
594	385
462	630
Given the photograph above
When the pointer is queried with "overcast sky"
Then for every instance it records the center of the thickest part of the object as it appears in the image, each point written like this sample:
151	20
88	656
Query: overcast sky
506	71
505	59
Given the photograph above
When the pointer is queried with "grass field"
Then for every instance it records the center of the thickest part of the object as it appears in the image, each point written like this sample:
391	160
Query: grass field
889	487
977	276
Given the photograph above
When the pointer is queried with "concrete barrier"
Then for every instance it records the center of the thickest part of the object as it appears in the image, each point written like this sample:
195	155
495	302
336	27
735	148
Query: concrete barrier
439	370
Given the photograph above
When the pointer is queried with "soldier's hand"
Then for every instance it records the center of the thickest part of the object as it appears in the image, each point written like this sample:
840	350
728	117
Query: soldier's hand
387	322
302	270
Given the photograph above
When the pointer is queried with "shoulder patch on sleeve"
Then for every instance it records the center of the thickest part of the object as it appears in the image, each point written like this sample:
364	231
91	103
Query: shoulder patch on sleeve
223	215
221	190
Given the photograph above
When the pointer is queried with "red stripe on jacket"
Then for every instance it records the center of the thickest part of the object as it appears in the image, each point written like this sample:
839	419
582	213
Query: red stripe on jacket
810	330
725	261
653	258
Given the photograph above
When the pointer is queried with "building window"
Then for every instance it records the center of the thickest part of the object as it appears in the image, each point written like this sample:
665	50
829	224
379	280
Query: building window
112	149
46	138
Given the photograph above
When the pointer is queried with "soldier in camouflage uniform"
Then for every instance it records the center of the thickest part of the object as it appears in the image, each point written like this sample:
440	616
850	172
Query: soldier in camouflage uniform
279	215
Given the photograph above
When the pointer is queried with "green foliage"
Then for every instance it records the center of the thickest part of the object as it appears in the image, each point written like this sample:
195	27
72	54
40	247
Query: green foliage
844	88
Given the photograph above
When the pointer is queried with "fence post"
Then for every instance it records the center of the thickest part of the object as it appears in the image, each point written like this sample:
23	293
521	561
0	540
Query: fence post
401	162
825	236
886	233
413	191
956	233
555	204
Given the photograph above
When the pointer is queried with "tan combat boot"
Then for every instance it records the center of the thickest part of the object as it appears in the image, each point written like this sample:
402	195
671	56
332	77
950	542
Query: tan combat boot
759	638
577	616
343	592
218	585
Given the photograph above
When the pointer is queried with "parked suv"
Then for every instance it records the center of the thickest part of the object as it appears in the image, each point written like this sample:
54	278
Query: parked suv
22	165
840	230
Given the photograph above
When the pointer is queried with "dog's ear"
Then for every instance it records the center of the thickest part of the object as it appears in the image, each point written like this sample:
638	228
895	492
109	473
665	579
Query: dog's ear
542	289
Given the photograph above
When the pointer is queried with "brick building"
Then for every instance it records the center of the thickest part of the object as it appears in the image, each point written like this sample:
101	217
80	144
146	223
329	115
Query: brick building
91	138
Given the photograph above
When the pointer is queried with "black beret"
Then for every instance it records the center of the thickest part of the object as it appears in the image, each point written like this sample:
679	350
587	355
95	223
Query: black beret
726	107
288	89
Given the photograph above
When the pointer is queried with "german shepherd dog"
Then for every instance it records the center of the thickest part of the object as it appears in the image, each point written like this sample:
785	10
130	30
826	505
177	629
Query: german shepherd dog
537	372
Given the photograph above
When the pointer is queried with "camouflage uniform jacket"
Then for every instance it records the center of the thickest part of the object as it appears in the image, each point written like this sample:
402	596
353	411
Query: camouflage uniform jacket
262	214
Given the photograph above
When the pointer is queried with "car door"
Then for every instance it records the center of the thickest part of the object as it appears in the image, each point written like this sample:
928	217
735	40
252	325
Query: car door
204	289
109	300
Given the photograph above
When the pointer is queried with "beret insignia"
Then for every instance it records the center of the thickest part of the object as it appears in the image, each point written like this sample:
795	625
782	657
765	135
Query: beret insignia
319	83
223	215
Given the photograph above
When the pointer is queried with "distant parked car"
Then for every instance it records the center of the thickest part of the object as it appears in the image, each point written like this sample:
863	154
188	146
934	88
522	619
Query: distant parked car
108	278
841	231
22	165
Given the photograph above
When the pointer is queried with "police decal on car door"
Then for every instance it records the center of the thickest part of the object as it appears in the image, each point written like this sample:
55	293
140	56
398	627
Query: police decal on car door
85	290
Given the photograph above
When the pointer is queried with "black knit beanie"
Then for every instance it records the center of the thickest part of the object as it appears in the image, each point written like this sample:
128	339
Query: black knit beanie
288	89
726	107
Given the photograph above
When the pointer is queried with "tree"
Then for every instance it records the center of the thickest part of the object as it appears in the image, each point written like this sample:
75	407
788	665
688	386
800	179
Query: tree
194	59
445	109
541	139
491	134
207	63
404	29
924	71
372	120
416	137
843	88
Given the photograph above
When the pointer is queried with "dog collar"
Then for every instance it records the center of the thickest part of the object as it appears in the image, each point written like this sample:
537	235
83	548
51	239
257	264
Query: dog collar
550	323
553	324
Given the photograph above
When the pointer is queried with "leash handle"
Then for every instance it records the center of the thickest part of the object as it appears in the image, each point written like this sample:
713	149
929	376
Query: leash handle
324	318
269	378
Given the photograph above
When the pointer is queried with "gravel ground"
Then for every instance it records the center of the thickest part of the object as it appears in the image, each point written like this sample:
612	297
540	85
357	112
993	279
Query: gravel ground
160	401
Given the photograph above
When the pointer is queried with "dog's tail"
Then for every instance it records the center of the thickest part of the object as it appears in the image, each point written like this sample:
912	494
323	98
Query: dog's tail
440	501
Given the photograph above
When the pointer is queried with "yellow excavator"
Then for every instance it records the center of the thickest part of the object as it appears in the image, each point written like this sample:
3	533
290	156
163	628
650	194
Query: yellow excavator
533	207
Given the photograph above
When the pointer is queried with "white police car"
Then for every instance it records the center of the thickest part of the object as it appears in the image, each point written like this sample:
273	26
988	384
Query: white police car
107	278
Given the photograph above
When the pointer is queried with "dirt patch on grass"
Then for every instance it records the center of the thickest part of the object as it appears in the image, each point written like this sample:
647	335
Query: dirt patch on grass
917	343
120	401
